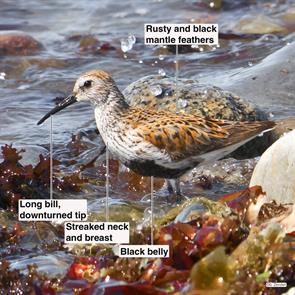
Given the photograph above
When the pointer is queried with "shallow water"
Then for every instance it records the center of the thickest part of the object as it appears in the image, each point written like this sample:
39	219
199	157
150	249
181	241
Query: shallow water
32	82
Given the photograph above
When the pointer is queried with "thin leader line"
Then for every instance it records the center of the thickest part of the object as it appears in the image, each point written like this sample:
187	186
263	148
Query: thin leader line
176	75
152	210
107	184
51	159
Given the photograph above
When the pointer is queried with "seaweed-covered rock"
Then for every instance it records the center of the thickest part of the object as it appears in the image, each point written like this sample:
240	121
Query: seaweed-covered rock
227	171
213	272
18	43
90	44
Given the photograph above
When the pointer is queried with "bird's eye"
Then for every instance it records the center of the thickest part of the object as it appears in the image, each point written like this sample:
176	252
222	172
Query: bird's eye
87	83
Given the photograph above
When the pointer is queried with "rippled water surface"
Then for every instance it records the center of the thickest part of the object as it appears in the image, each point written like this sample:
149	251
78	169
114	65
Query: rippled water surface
33	81
66	29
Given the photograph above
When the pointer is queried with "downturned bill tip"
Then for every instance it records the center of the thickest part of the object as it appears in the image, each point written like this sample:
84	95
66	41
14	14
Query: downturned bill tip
63	104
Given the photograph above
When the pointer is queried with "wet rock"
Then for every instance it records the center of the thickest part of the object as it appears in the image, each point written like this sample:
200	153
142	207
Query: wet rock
91	44
216	4
275	170
227	171
283	126
222	4
191	97
269	82
192	209
289	16
44	63
200	206
258	24
52	264
18	43
88	41
124	211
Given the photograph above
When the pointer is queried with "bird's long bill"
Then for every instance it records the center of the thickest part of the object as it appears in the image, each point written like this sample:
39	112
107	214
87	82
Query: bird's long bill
63	104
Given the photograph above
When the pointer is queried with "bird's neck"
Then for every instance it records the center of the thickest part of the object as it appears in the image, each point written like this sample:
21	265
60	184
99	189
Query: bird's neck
108	113
113	101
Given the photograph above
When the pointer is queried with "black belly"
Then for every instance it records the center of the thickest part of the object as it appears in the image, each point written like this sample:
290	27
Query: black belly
150	168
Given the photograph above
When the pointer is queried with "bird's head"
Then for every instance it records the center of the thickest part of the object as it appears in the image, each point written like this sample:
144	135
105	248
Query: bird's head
94	86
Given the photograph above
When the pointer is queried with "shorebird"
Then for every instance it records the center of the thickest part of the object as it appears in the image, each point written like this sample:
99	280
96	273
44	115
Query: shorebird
157	143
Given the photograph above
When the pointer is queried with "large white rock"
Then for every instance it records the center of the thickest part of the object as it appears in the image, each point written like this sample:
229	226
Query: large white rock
275	171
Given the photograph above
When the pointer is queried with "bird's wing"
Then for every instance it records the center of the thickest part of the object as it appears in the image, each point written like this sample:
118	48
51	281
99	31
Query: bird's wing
184	135
240	131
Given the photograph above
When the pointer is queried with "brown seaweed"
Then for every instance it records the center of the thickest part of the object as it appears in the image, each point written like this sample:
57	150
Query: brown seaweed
27	182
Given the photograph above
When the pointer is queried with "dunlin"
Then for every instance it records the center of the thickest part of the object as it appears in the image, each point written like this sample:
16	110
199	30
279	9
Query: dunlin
157	143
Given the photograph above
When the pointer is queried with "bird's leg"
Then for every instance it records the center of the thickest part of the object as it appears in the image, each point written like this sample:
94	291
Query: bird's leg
170	187
170	190
173	187
164	192
177	187
167	191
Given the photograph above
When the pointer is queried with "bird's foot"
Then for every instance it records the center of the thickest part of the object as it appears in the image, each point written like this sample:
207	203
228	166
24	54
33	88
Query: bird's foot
180	197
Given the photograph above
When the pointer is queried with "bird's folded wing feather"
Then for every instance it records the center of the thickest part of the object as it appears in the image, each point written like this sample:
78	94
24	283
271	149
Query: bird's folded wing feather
184	135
